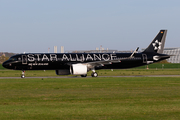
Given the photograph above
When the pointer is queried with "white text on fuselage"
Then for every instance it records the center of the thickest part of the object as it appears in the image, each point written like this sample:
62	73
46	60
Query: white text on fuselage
70	57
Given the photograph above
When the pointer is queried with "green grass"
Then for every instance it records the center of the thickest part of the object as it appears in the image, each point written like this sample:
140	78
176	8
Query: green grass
90	98
161	65
1	67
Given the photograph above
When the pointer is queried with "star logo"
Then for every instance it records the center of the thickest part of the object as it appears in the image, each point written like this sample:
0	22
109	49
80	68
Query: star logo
157	45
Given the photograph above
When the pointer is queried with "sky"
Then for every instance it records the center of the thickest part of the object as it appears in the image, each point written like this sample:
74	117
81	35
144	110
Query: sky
33	26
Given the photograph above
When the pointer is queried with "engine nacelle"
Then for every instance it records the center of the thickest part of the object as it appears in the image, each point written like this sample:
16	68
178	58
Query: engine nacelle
78	69
63	72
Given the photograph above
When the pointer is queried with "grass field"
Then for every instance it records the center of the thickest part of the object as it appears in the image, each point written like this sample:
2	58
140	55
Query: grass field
132	98
90	98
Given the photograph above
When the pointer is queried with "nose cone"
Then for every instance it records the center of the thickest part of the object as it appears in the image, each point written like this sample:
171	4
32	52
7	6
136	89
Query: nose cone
6	64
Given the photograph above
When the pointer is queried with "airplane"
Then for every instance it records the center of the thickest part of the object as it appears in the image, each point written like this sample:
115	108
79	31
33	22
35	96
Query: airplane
81	63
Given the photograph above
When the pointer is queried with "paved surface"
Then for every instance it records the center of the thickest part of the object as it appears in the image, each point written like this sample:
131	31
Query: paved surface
90	76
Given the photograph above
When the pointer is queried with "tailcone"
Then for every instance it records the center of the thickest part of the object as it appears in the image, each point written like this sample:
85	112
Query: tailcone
160	57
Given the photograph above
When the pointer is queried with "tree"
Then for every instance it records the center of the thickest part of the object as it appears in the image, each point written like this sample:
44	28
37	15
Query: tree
3	58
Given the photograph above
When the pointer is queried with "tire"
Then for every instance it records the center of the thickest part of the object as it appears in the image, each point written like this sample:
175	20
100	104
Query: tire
84	75
94	74
22	76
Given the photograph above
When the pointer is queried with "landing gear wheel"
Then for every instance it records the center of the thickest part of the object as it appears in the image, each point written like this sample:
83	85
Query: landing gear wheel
22	76
23	72
94	74
84	75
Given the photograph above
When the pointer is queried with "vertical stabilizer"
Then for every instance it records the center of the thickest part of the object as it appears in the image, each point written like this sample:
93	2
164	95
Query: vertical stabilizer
157	45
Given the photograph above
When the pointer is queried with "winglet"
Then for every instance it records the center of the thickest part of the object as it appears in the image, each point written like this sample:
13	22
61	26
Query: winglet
157	45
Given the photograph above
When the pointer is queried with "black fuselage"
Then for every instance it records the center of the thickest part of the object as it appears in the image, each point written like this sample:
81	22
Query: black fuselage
55	61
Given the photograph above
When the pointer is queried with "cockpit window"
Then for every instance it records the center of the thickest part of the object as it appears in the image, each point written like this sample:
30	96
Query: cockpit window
13	59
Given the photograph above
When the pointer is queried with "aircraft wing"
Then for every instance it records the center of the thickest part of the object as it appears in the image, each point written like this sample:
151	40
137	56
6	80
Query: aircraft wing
102	63
92	65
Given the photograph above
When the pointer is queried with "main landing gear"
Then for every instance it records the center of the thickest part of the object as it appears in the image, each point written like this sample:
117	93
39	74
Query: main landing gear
23	72
84	75
94	74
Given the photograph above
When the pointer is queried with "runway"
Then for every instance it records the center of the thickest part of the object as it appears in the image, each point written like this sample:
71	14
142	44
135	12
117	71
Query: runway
91	77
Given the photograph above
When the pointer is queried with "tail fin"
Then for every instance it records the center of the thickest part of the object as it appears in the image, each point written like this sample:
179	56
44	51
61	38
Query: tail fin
157	45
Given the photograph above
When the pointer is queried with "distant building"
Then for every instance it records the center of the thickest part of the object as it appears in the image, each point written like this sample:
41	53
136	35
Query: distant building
98	51
55	49
4	54
175	52
62	49
93	51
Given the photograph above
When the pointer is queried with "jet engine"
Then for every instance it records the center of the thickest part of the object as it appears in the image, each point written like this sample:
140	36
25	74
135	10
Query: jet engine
78	69
75	69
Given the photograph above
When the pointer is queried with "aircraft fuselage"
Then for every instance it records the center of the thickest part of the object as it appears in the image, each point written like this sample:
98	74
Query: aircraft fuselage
55	61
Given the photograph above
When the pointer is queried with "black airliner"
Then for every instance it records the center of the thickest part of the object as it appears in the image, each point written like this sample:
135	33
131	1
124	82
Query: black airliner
81	63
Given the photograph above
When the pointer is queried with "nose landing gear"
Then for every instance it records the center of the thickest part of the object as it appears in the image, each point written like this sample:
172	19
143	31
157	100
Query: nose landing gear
23	72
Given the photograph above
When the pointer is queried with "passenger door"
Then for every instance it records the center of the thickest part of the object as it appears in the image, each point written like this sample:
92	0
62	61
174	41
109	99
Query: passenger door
144	58
24	59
